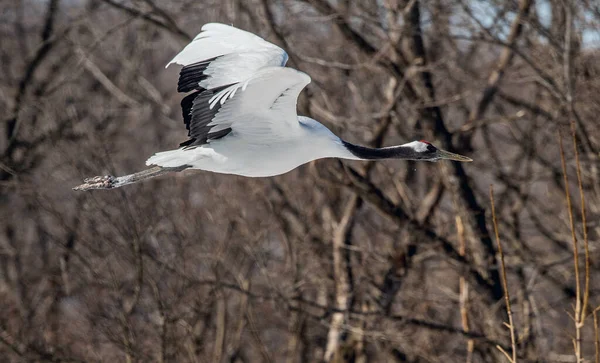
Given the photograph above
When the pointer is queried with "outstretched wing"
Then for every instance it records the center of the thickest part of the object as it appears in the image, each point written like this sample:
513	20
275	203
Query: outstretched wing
197	115
259	109
222	55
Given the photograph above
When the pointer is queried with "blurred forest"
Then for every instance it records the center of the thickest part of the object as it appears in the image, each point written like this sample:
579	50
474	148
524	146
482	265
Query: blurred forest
335	261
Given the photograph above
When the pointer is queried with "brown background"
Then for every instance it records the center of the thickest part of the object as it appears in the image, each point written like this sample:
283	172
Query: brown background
335	261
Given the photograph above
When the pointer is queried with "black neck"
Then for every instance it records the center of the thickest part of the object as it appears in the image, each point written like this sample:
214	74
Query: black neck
392	152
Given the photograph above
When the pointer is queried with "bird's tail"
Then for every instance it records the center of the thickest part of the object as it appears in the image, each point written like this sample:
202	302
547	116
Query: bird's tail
169	159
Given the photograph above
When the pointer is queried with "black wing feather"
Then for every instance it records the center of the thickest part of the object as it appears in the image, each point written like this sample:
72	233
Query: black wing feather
191	75
197	114
186	108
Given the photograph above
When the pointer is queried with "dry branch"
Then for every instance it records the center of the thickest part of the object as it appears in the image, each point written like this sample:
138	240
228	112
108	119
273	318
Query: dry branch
512	358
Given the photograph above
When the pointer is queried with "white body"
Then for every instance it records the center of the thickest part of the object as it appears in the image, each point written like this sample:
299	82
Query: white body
235	154
267	137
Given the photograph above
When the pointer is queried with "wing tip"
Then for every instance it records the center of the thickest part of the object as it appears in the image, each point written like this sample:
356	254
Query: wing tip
172	61
296	72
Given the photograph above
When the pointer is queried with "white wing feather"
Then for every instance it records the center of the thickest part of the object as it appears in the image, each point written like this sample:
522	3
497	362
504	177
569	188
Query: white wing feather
239	54
263	106
261	113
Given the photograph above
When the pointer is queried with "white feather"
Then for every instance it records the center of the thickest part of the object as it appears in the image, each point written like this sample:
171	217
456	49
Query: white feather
240	54
267	137
418	146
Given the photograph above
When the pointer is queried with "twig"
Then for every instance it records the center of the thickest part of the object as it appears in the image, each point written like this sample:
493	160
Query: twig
463	289
586	289
171	27
343	276
97	73
577	316
47	44
510	324
172	24
220	329
495	77
596	340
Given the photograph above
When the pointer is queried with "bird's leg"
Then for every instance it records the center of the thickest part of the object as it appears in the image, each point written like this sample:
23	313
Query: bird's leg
110	182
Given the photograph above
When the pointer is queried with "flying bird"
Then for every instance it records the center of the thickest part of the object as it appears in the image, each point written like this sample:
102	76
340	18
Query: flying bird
240	113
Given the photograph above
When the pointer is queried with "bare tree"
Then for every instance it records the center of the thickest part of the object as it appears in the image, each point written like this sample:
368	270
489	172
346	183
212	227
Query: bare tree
335	261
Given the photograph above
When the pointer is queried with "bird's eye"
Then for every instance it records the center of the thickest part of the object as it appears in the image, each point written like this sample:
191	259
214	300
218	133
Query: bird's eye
431	148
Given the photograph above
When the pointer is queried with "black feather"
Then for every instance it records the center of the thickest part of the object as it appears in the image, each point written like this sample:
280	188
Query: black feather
197	114
191	75
186	108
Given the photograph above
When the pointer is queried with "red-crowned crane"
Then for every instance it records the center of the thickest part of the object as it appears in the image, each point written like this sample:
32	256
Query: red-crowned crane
241	115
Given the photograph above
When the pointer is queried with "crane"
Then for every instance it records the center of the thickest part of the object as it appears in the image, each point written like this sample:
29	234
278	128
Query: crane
240	113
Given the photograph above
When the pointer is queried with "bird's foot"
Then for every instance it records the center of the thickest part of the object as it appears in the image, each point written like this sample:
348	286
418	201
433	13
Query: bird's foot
97	182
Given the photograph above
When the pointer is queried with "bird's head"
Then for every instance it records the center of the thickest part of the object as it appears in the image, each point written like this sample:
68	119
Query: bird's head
424	150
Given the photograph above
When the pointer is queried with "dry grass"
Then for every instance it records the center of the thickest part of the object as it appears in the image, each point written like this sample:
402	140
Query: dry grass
510	325
596	335
581	302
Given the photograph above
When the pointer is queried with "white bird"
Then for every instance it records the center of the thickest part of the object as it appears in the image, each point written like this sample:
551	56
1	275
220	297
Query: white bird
241	115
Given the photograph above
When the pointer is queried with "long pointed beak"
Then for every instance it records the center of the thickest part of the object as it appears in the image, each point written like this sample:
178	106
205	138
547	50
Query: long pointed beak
447	155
